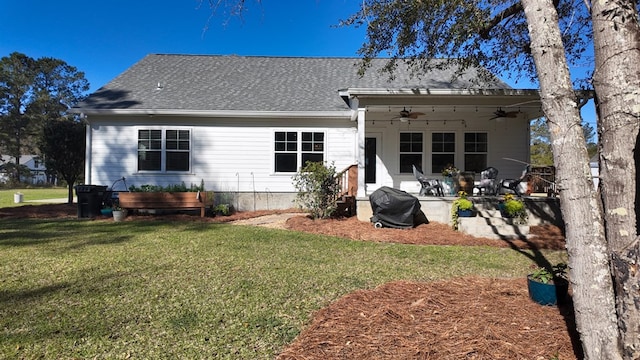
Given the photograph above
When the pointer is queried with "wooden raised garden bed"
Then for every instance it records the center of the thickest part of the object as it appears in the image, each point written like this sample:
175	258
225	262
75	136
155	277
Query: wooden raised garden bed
166	200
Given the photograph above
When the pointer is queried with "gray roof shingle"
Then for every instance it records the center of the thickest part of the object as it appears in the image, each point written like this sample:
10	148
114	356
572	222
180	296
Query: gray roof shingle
254	83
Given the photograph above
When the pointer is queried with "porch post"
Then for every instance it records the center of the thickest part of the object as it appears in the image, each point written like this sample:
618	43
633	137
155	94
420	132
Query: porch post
360	153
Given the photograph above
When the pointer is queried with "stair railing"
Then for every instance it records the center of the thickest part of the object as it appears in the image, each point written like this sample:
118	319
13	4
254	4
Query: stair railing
348	181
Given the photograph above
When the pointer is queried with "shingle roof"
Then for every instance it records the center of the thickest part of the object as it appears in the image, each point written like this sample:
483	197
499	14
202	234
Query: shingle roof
254	83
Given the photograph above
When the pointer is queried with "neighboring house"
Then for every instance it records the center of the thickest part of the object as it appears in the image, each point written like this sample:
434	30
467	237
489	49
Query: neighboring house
245	125
32	162
595	171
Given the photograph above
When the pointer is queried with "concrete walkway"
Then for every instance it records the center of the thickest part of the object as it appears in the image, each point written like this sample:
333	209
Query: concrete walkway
275	221
52	201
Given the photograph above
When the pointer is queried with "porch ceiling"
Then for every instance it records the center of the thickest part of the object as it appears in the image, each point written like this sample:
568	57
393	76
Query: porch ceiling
455	111
446	103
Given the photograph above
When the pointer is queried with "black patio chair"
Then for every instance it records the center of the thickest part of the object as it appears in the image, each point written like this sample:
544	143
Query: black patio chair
489	184
428	186
512	184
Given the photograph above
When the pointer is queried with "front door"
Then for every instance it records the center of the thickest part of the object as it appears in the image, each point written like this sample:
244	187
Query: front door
372	145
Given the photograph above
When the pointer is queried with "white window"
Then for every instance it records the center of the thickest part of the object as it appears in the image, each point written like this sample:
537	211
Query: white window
164	150
410	151
475	151
443	150
294	148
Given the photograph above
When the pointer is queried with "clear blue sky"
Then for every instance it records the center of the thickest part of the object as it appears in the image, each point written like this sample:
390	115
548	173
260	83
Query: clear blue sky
104	38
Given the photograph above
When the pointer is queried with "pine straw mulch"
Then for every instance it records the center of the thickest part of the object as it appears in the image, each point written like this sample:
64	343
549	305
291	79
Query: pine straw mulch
463	318
467	318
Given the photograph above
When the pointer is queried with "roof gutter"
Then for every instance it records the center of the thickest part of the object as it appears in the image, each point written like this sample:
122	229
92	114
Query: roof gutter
347	114
354	92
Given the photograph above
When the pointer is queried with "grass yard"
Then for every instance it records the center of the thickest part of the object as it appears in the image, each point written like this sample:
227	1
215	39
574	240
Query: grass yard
183	290
6	196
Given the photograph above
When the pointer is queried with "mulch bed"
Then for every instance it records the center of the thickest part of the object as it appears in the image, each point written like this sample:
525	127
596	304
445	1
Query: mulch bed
467	318
464	318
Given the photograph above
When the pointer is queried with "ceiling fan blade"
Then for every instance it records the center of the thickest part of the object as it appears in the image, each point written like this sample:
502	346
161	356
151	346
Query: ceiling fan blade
414	115
504	114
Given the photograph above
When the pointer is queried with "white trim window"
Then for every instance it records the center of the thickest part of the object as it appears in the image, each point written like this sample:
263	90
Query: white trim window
294	148
411	149
443	151
164	150
475	151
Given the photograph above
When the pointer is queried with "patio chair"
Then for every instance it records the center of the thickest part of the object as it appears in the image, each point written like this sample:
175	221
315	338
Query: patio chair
489	184
512	184
428	186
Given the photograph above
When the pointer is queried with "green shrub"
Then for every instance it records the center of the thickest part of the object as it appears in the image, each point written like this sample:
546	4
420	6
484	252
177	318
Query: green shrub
222	209
169	188
317	189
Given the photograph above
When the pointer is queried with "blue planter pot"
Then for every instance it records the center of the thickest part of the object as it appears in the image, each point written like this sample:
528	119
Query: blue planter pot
548	294
465	213
106	212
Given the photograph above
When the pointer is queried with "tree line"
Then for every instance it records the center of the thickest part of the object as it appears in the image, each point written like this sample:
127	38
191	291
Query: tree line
35	98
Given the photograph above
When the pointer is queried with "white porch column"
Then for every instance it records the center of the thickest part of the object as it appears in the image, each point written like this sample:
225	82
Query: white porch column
360	153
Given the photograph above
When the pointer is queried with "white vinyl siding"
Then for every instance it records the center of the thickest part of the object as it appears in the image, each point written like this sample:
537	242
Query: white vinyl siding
225	156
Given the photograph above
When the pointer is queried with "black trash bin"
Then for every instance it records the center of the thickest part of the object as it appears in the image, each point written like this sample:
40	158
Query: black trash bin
90	198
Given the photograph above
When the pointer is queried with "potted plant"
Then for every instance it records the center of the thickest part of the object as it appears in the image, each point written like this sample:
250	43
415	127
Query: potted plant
448	173
548	286
106	211
118	212
461	207
512	207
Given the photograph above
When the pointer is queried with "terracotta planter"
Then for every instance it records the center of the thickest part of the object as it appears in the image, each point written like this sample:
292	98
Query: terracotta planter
465	182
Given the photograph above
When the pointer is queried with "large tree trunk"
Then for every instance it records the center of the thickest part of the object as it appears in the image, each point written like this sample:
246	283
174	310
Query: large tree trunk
590	275
616	38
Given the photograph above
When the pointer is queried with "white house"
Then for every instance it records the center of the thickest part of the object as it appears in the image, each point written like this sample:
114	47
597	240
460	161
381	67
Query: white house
32	162
245	125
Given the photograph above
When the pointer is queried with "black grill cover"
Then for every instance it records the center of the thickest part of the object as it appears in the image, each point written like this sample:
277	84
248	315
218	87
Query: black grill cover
394	208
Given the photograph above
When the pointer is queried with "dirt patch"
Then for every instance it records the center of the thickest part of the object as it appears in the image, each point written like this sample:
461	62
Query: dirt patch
468	318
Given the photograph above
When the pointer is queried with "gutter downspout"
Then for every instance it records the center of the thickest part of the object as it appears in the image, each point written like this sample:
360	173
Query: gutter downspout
87	155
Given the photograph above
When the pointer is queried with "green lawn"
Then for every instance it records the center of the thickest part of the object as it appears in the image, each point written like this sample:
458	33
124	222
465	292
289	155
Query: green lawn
185	290
6	196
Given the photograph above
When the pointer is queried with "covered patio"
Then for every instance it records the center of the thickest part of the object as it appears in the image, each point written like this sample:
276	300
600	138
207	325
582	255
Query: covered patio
435	129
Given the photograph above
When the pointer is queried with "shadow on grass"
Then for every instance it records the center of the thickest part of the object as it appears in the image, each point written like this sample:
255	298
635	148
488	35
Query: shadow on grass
74	299
28	295
79	233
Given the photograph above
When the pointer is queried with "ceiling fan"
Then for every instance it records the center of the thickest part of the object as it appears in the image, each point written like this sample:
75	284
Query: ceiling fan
406	115
504	114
